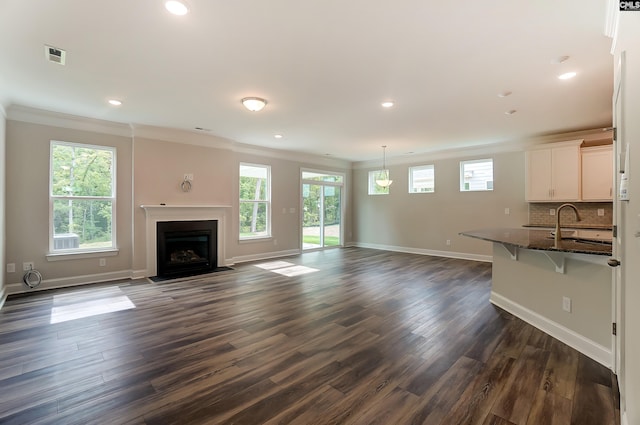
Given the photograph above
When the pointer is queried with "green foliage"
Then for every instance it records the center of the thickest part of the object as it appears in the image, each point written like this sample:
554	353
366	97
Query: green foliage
311	205
79	175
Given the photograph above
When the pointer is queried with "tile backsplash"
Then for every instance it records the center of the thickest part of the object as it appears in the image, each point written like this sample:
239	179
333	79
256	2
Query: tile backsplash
539	214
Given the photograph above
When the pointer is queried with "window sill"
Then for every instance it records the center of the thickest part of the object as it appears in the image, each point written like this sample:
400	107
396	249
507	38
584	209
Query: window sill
255	239
70	255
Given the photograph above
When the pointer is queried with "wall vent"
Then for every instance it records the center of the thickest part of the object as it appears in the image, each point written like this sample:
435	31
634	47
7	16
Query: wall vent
55	55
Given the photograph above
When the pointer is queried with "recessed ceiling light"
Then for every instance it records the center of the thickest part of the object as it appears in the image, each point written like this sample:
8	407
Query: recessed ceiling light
504	94
176	7
387	104
567	75
278	136
115	102
510	112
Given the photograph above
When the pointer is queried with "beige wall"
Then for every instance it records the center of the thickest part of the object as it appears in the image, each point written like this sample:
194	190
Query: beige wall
423	222
533	283
27	205
159	169
629	132
3	241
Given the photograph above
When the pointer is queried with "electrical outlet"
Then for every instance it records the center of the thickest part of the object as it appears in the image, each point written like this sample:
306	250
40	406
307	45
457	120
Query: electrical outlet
600	212
448	242
552	212
103	262
11	267
566	304
507	211
28	265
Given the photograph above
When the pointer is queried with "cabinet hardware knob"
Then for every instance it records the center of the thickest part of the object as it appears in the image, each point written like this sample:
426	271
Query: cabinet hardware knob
613	262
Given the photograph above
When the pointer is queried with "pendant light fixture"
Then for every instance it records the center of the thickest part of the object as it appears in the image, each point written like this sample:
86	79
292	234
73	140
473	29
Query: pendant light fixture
383	180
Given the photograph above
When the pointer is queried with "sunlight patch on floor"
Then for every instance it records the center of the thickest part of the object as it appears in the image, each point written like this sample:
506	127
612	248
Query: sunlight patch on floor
286	269
89	303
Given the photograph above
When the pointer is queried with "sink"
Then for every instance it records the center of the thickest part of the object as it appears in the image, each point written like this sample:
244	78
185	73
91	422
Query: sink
588	235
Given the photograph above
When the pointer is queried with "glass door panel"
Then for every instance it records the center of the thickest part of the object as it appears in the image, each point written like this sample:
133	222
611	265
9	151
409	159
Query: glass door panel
331	216
311	217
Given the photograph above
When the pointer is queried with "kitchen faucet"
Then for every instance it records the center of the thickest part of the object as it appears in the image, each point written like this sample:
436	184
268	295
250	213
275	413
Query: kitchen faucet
558	235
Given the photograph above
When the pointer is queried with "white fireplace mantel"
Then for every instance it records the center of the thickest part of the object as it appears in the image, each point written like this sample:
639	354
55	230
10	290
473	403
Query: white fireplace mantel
156	213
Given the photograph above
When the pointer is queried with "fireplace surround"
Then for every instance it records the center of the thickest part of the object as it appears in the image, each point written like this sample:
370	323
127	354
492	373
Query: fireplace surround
160	213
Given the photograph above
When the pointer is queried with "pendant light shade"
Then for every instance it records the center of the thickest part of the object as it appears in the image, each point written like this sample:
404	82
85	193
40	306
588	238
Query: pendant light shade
254	104
383	180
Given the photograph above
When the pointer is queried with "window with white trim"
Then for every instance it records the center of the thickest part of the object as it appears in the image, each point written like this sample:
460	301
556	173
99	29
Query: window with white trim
476	175
422	179
82	197
255	201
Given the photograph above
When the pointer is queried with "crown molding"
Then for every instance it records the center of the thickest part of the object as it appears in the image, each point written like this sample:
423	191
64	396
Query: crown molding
519	145
58	119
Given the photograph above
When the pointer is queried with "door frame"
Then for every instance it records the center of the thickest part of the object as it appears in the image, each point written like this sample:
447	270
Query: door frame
342	185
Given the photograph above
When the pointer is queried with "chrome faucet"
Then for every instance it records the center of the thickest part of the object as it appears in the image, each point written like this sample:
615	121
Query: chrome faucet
558	235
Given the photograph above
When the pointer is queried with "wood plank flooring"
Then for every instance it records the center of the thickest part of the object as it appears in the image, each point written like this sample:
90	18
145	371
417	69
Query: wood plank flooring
359	336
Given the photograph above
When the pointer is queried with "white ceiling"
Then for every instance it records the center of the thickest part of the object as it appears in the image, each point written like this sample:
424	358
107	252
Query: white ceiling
324	66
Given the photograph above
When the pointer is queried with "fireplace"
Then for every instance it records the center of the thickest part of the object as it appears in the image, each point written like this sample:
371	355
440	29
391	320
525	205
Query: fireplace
186	248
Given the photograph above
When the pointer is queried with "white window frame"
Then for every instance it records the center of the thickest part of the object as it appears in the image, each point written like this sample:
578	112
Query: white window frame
373	188
412	188
75	253
267	201
465	178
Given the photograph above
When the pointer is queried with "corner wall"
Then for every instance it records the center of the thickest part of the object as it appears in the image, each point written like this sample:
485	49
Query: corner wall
423	222
27	206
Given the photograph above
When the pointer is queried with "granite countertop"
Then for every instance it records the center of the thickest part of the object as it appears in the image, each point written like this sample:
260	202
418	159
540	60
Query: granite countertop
573	226
539	239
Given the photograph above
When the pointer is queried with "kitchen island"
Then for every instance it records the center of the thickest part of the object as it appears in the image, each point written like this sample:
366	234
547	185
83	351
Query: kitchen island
562	288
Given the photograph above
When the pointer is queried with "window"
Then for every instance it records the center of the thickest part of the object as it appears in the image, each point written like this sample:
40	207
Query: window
476	175
421	179
375	188
82	197
255	201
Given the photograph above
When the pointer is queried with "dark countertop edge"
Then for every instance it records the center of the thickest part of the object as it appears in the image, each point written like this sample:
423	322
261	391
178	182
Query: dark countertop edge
572	226
540	241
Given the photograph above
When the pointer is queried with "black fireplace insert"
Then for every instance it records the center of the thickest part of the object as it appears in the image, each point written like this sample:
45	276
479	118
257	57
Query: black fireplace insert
186	248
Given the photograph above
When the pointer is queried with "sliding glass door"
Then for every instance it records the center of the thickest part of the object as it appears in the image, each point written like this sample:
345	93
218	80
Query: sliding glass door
321	209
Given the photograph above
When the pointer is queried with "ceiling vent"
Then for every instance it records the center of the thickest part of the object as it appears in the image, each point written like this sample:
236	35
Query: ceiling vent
55	55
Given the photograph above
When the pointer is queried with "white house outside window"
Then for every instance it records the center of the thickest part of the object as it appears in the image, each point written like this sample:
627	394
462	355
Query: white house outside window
422	179
255	201
82	197
476	175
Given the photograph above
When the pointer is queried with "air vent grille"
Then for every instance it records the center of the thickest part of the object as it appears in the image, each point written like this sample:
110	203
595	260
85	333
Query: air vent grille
55	55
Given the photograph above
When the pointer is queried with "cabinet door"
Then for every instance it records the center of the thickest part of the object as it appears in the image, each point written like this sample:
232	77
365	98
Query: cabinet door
597	174
565	175
538	163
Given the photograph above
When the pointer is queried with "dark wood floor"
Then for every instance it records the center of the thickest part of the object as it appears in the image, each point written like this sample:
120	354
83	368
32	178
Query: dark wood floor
371	337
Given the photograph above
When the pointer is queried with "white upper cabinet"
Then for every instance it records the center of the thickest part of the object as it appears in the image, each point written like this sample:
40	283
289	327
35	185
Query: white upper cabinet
597	173
553	172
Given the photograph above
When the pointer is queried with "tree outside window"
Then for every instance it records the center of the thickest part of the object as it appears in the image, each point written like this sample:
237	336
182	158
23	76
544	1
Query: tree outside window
82	197
255	201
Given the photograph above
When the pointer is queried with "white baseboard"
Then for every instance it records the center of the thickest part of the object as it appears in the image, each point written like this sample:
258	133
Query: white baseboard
19	288
264	256
584	345
435	253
